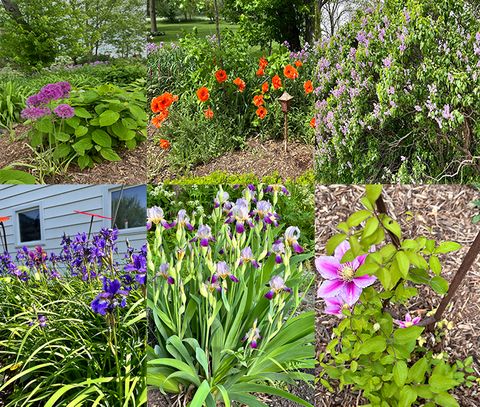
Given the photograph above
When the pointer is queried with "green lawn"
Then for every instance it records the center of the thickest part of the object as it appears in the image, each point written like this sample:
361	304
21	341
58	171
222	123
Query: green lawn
173	31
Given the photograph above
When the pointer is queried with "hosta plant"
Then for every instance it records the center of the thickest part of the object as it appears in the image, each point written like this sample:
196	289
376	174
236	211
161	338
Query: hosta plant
73	325
372	276
225	300
85	125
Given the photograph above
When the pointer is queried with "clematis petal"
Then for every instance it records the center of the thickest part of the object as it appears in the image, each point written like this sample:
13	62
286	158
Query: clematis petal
416	320
341	249
351	292
364	281
330	288
328	267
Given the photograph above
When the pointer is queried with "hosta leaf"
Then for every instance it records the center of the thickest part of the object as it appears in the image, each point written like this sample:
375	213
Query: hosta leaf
83	113
102	138
108	117
109	154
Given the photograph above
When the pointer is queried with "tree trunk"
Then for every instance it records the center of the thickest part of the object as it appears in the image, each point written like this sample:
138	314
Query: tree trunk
217	23
12	9
153	17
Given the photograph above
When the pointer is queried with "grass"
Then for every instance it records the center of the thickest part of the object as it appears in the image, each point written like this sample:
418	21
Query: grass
173	31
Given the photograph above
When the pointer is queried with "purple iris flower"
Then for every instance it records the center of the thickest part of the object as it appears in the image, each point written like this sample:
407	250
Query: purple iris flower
264	212
111	297
138	266
155	216
276	188
220	199
292	234
246	256
340	278
213	284
223	271
163	272
204	234
277	285
252	336
279	249
183	220
42	321
240	215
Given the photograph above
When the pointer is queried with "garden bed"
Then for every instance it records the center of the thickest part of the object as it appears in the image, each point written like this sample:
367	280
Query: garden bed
107	172
261	158
438	212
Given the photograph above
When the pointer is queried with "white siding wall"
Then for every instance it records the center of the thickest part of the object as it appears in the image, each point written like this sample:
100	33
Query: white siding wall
57	204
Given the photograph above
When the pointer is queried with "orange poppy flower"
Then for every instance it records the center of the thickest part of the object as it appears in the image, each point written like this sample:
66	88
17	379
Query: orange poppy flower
265	87
313	123
260	72
208	113
160	118
262	63
240	84
164	144
258	100
261	112
162	102
221	76
203	94
298	63
308	86
276	82
290	72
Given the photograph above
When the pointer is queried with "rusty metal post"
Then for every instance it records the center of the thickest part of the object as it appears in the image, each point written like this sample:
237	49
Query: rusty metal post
285	100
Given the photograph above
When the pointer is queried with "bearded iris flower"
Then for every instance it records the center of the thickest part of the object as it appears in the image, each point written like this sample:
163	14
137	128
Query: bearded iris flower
183	220
264	212
155	216
340	278
240	215
246	256
277	285
278	248
163	272
204	234
223	271
292	234
221	198
110	298
252	336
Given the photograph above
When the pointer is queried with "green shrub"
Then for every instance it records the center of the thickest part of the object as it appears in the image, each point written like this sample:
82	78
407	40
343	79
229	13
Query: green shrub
12	99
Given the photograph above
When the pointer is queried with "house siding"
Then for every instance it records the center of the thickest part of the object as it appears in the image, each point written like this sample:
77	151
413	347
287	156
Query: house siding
57	204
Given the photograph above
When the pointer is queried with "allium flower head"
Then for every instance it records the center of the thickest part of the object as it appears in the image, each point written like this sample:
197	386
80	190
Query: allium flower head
340	278
34	113
64	111
277	285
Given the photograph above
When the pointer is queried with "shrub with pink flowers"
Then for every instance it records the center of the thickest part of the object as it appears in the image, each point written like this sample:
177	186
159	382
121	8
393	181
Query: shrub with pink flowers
398	96
382	346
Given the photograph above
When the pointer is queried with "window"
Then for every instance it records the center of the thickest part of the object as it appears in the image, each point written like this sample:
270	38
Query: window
29	225
129	207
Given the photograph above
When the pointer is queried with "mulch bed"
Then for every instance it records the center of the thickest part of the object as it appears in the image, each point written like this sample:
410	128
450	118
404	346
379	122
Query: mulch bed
132	169
260	158
438	212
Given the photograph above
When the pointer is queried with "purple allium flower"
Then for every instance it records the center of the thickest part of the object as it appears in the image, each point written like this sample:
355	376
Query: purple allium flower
408	321
64	111
163	272
111	297
52	91
34	113
151	47
155	216
252	336
33	101
292	234
246	256
277	285
340	278
223	271
204	234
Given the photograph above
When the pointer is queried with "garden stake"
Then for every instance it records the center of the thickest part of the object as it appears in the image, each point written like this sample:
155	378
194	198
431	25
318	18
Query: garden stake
4	235
382	208
459	276
285	100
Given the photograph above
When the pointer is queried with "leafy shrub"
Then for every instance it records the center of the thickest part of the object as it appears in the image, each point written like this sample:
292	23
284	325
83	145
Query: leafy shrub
227	117
12	98
218	330
11	176
55	348
398	96
104	119
378	348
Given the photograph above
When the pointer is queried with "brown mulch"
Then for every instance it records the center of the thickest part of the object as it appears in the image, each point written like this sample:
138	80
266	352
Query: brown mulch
438	212
260	158
132	169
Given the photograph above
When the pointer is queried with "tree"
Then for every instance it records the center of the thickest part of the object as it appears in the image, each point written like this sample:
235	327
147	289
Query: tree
153	16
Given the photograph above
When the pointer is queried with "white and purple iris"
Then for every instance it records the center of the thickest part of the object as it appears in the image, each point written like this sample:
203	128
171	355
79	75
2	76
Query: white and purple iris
340	279
213	284
278	248
240	215
155	216
277	285
204	234
183	220
252	336
277	188
163	272
292	234
246	256
409	321
223	271
264	212
221	198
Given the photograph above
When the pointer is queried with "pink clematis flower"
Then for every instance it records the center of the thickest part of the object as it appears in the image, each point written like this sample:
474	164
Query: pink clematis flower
335	306
340	278
409	321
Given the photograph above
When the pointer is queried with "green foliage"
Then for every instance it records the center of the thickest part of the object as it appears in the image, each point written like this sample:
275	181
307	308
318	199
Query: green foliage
12	98
198	331
391	365
11	176
182	70
107	119
399	95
